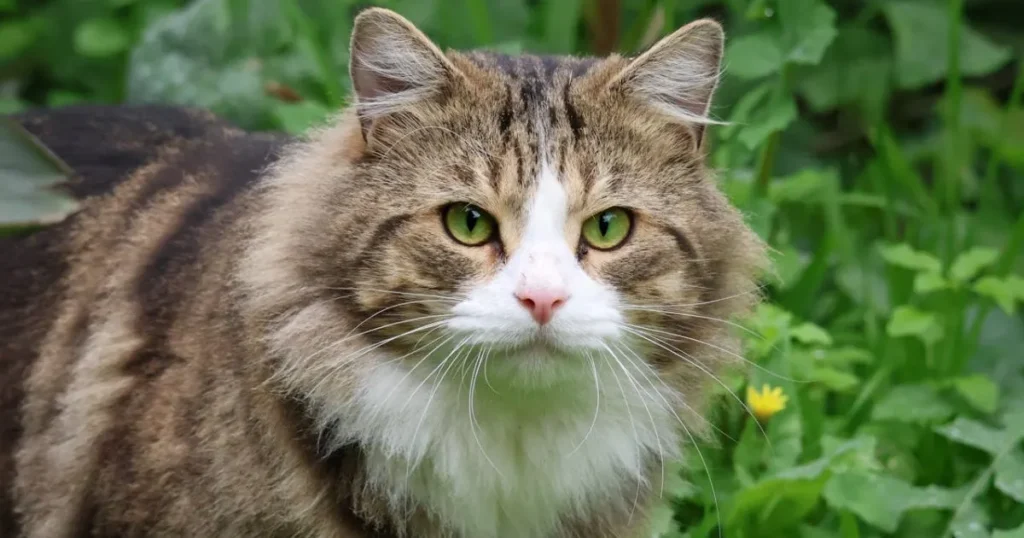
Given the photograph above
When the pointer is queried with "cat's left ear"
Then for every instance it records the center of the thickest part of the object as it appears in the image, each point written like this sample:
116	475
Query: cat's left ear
393	65
679	74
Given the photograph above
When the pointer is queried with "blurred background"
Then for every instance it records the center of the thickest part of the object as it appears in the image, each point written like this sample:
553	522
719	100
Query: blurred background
877	145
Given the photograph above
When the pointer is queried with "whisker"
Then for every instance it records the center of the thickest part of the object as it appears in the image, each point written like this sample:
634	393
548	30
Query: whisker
636	437
472	417
487	379
430	400
597	402
654	426
668	405
756	289
697	316
389	339
453	298
697	364
413	369
719	348
392	307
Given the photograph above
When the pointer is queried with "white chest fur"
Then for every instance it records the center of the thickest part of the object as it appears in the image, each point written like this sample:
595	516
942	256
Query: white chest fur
518	462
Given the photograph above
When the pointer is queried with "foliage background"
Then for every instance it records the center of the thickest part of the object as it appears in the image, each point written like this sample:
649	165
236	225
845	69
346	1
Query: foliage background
878	145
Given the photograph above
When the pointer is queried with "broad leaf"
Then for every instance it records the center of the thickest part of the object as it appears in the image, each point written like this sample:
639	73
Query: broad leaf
29	177
101	37
930	282
833	379
882	500
208	56
811	334
979	391
909	321
1010	475
922	30
971	521
968	264
754	56
913	403
1006	292
972	433
782	499
856	69
903	255
774	116
1012	533
808	28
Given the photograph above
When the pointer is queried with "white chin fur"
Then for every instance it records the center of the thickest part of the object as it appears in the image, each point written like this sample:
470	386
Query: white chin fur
493	457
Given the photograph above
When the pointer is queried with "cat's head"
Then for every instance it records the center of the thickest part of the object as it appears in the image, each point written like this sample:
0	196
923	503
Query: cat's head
538	211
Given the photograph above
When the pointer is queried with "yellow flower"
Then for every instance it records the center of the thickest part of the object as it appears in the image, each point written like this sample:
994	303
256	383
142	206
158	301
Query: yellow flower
766	403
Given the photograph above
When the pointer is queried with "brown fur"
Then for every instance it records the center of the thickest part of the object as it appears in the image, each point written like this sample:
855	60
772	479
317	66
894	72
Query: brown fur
155	374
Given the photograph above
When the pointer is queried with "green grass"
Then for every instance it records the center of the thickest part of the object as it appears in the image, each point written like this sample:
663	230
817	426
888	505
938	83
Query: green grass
878	146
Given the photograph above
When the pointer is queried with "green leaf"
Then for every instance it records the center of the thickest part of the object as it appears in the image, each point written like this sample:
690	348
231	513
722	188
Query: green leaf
909	321
1013	533
560	20
101	37
972	433
922	30
1010	475
930	282
29	175
754	56
903	255
807	186
856	69
811	334
913	403
808	28
207	55
782	499
968	264
979	391
298	117
833	379
882	500
745	109
971	522
775	116
846	356
1006	292
16	36
661	521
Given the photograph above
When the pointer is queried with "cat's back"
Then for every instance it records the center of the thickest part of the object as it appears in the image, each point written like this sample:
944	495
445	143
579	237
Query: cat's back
151	181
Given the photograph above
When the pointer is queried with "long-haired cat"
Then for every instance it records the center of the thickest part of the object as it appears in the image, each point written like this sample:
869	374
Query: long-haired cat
482	303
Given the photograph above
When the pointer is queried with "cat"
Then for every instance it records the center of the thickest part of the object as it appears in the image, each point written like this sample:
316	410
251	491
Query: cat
484	301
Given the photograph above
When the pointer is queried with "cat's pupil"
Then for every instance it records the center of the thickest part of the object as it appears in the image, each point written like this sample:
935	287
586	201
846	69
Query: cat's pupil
604	222
472	215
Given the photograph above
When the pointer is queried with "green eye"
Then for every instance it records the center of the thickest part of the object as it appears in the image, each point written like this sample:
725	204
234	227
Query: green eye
607	229
469	224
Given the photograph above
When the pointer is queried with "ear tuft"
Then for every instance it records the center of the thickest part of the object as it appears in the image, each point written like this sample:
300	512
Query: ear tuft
393	64
679	74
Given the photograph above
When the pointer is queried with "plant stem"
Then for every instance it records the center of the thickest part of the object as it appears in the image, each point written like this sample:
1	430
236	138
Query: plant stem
996	157
483	32
766	161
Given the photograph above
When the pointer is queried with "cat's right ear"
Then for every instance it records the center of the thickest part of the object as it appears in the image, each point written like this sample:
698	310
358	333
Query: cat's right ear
393	65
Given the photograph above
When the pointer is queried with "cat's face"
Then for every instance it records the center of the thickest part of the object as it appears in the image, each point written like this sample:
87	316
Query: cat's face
537	211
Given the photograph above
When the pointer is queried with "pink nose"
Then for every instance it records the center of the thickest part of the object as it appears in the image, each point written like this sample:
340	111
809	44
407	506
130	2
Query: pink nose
541	303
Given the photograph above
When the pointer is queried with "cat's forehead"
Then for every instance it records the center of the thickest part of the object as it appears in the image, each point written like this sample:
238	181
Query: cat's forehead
538	119
529	70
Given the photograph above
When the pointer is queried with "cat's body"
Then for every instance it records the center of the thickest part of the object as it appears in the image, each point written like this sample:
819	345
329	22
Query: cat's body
212	348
